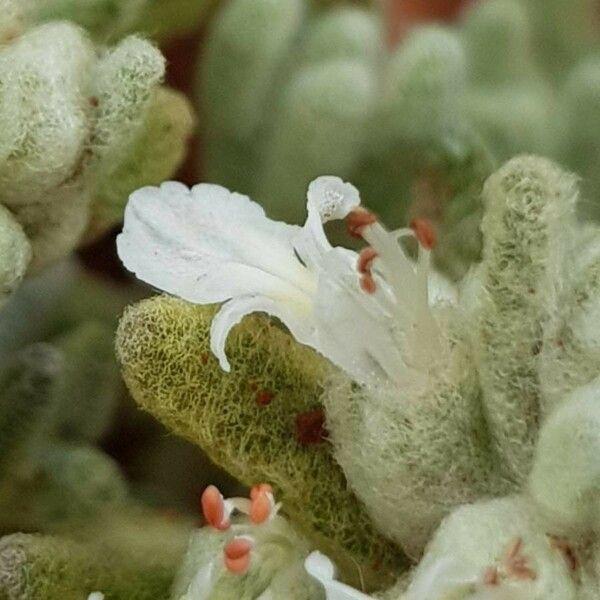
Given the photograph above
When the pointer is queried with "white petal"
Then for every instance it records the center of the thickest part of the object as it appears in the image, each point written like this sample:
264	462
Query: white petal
208	245
201	586
442	577
328	198
332	198
321	568
295	317
355	329
441	290
96	596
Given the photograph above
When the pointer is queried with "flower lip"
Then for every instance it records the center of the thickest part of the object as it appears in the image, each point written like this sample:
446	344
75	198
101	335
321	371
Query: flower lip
209	245
332	197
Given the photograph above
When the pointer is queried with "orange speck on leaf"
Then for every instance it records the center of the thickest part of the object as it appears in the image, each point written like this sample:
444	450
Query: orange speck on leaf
264	397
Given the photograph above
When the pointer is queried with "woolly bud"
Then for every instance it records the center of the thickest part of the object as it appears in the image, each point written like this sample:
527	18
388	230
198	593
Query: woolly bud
320	128
565	478
154	154
245	51
344	32
15	254
493	549
26	401
40	567
124	81
267	560
78	482
498	42
423	85
219	411
529	211
87	390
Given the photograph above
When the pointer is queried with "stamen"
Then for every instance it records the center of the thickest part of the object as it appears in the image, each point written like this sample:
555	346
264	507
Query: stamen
261	507
260	488
402	233
367	284
357	220
213	508
425	232
238	547
238	566
365	260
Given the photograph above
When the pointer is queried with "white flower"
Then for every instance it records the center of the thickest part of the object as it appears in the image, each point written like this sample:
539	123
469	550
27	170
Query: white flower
96	596
368	313
246	550
321	568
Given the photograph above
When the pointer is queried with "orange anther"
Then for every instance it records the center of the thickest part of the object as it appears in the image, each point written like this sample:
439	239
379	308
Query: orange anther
425	232
367	284
213	508
365	260
238	566
237	548
357	220
260	507
260	488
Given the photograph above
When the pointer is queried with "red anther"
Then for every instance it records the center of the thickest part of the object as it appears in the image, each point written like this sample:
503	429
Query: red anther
425	232
238	566
367	284
260	507
357	220
237	548
213	508
310	427
365	260
260	488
